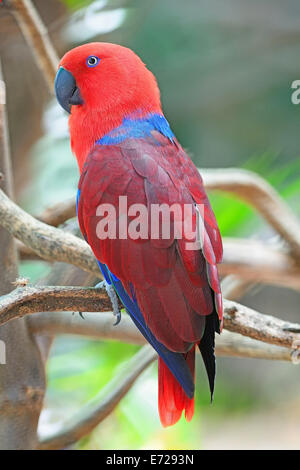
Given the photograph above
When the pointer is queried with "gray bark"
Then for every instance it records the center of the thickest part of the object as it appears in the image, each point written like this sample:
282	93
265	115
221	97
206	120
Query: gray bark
22	378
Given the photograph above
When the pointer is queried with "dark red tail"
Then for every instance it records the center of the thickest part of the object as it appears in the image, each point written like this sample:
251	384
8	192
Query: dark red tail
172	399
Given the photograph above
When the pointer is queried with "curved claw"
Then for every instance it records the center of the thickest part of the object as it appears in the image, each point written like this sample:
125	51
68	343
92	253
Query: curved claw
80	314
118	318
100	285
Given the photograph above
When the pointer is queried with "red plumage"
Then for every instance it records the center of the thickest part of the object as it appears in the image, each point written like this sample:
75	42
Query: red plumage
172	400
173	285
177	289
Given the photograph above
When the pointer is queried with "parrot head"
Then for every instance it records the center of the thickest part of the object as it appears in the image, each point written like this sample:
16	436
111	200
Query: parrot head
100	84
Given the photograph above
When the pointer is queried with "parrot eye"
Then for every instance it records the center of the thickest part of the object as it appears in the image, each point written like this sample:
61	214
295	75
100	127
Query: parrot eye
92	61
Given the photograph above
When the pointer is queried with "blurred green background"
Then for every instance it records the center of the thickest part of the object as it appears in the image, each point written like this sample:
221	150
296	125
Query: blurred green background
225	71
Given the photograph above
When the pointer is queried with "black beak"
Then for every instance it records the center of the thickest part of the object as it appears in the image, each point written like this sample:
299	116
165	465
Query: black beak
66	90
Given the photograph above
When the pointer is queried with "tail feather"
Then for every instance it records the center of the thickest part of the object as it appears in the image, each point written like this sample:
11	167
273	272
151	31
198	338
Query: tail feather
207	349
172	400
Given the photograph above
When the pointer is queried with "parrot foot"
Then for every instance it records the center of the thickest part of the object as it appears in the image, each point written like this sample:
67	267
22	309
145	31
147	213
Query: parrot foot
113	298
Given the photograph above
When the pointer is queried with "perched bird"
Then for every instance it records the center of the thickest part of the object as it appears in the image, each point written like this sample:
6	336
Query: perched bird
124	146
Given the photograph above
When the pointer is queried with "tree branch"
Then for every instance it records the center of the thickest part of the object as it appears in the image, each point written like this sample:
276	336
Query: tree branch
237	318
59	213
27	300
259	194
262	196
234	344
102	327
251	260
233	288
37	37
94	325
272	330
104	403
95	411
50	243
257	261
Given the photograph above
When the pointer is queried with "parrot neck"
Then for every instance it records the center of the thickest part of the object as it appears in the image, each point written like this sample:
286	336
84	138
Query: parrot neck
89	128
137	127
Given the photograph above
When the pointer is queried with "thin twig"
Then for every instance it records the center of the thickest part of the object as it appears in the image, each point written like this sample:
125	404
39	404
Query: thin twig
37	37
262	196
102	327
95	411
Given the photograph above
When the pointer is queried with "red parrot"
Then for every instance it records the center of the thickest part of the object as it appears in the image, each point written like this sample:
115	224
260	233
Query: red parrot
125	148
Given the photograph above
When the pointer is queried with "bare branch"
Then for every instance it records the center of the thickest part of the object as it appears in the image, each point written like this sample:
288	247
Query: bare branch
258	193
94	325
27	300
37	37
102	327
237	318
59	213
94	412
26	253
248	322
55	216
251	260
233	344
233	288
257	261
50	243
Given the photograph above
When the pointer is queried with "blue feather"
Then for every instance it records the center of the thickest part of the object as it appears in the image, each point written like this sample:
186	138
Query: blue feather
137	128
77	200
